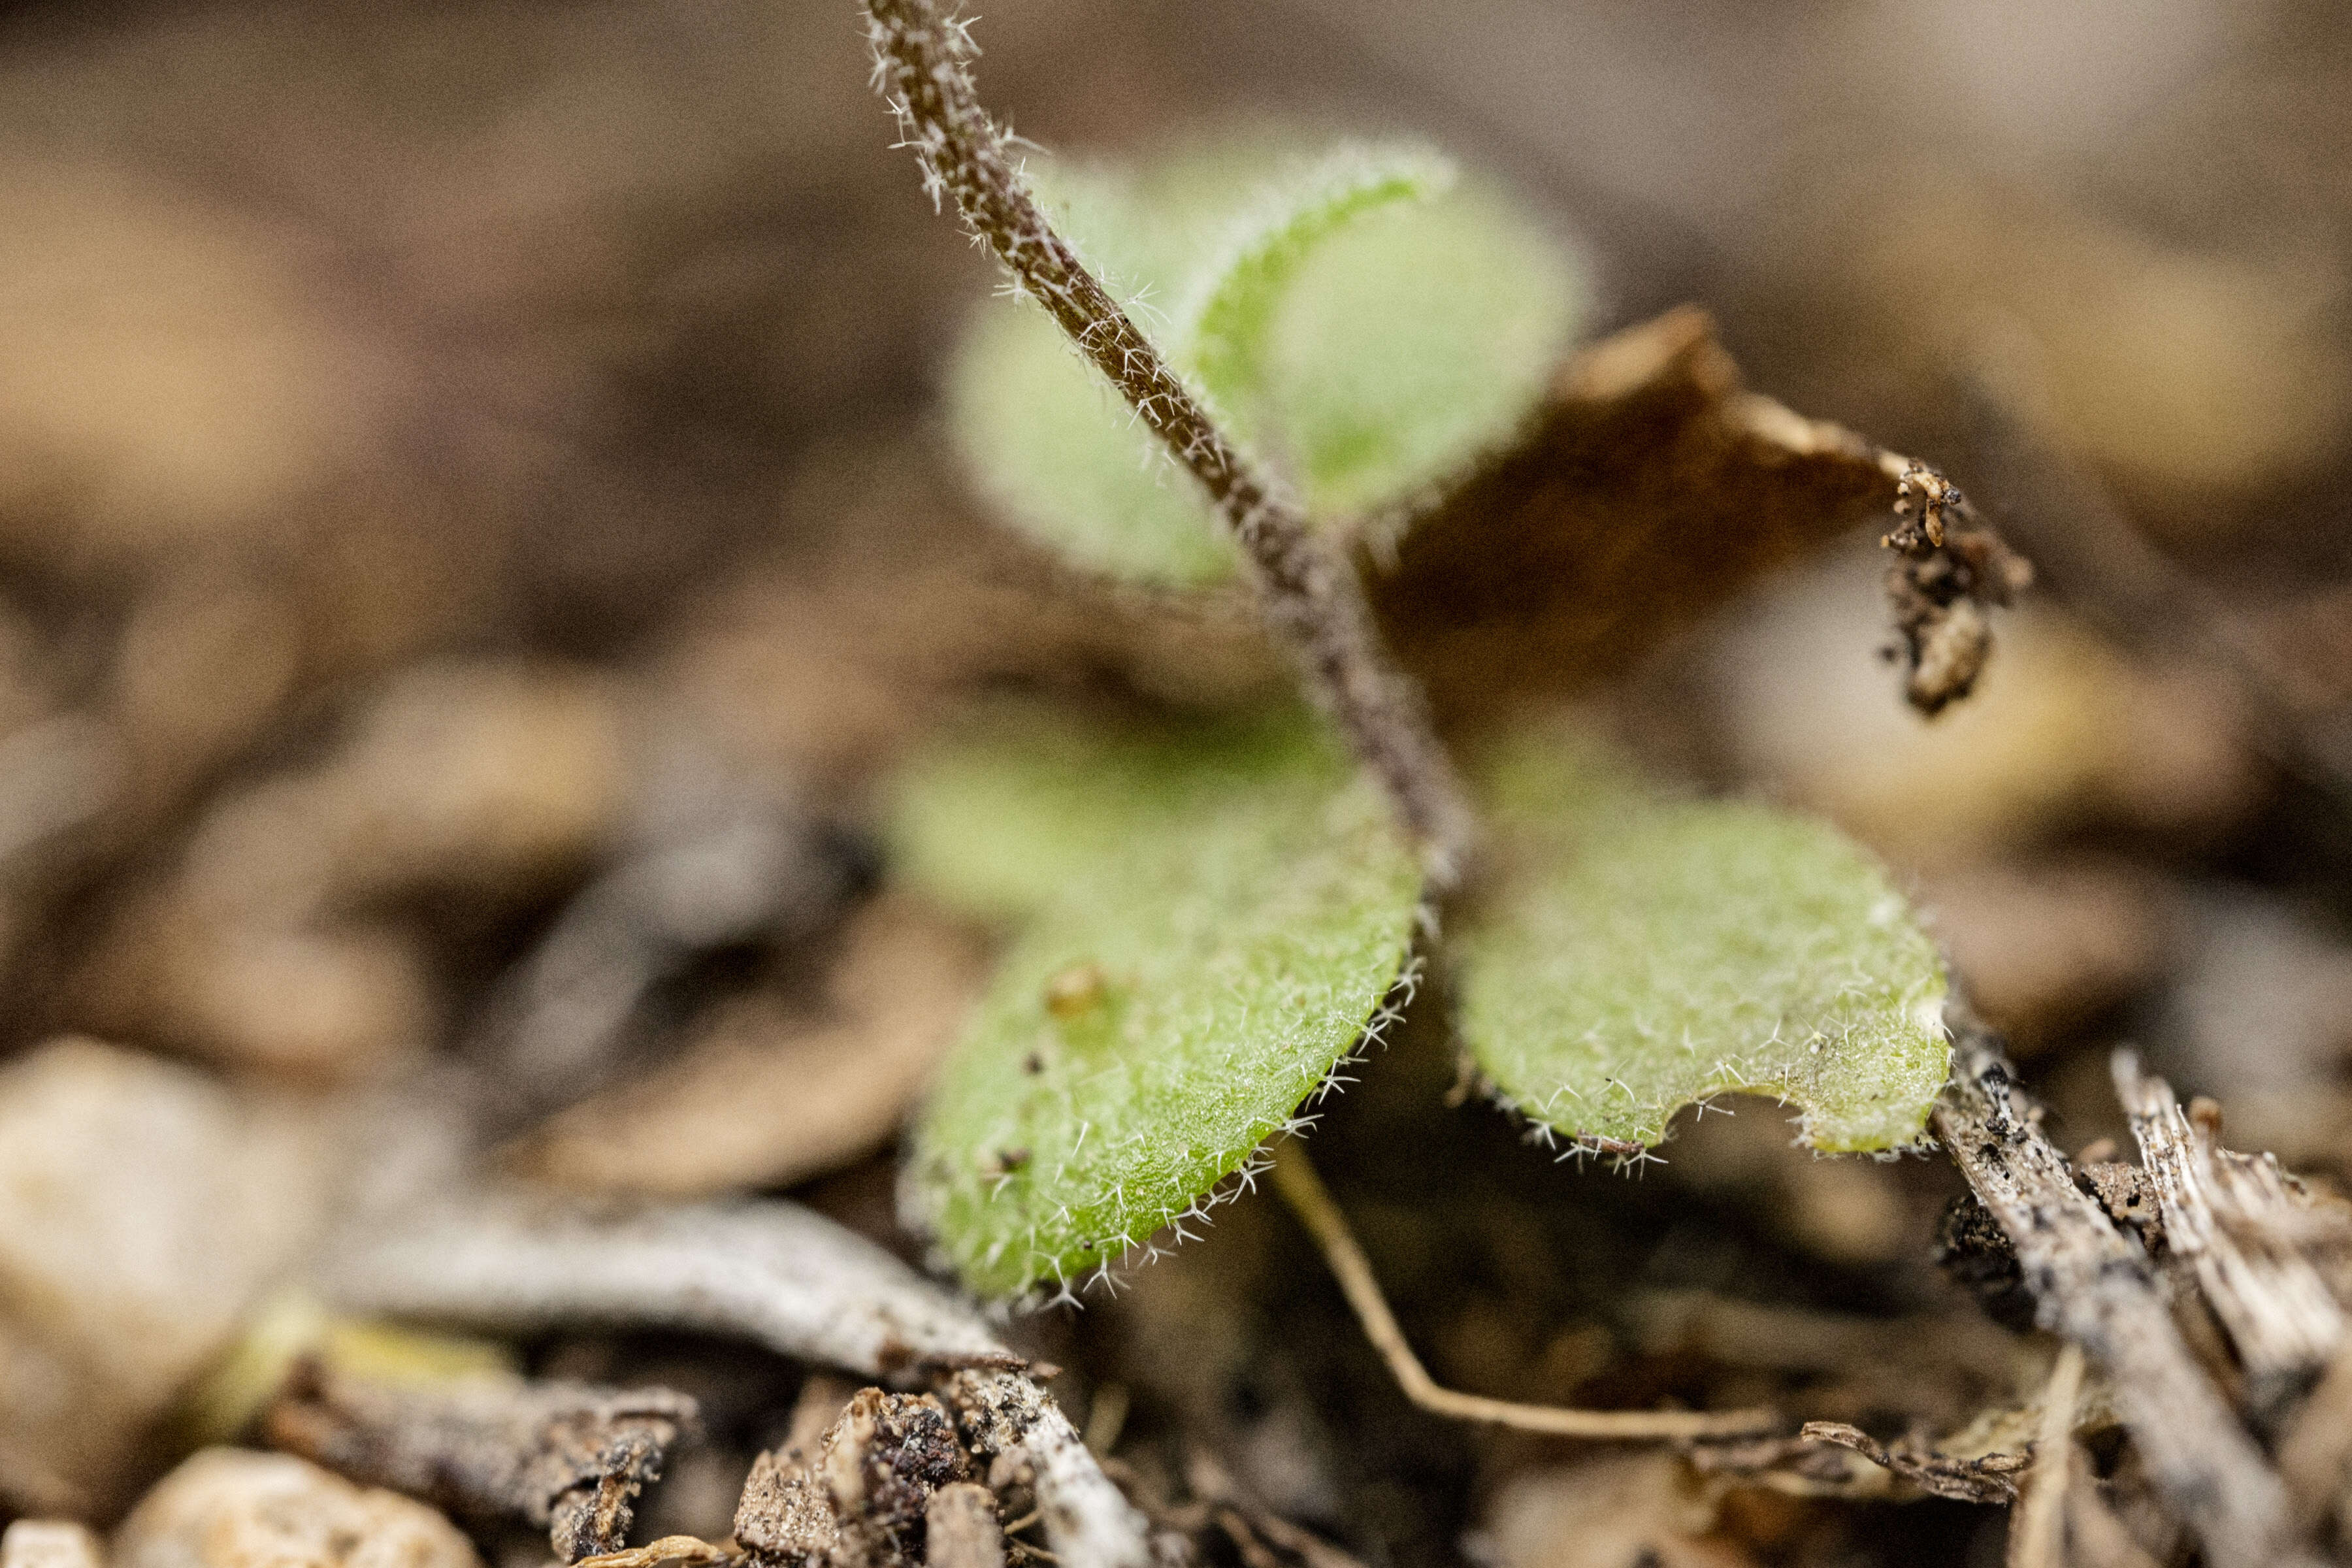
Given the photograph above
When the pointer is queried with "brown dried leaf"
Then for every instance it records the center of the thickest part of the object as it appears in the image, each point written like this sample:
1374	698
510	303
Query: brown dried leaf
562	1455
1652	488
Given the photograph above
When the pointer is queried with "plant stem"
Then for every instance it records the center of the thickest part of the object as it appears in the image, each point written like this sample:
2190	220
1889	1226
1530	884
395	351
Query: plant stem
1308	591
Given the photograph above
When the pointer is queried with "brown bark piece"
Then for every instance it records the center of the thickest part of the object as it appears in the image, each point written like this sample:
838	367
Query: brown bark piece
566	1456
1652	488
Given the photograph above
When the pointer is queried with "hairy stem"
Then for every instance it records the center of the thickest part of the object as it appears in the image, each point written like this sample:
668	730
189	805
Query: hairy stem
1309	593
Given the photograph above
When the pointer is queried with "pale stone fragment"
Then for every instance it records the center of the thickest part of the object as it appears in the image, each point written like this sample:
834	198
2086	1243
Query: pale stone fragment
143	1206
230	1507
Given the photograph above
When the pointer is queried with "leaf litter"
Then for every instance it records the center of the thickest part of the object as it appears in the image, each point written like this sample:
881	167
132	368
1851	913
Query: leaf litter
205	889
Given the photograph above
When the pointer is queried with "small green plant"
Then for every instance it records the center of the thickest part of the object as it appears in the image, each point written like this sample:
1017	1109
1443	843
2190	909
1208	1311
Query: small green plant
1207	920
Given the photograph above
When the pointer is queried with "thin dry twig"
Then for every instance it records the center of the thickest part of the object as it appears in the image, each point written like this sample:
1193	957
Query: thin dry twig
1302	1190
771	1271
1309	593
1087	1519
1984	1478
2094	1285
2232	1220
2037	1532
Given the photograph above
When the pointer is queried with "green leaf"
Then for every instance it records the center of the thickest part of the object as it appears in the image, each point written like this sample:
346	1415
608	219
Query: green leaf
1414	341
1212	936
1641	955
1054	451
1224	330
1365	331
999	818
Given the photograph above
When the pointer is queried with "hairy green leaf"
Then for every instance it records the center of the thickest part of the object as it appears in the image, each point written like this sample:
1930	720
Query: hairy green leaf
1212	928
1641	955
999	818
1413	343
1363	327
1223	330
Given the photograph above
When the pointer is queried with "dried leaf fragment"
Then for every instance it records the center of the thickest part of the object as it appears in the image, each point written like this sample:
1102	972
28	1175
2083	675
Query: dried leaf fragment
1952	567
564	1455
1652	488
773	1272
2254	1238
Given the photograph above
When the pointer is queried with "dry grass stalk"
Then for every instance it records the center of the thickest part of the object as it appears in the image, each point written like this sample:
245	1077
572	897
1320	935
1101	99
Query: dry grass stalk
1302	1190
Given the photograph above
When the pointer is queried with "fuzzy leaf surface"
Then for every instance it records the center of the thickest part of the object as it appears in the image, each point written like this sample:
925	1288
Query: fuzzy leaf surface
1223	332
1212	937
1365	330
1641	955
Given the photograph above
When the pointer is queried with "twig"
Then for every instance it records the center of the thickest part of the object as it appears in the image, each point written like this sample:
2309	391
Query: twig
1302	1190
2232	1219
1087	1519
1984	1478
2037	1532
770	1271
2094	1285
1308	592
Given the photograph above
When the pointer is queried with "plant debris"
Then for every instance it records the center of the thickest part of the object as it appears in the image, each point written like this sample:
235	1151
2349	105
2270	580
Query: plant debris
1654	487
565	1456
862	1497
2094	1285
1952	568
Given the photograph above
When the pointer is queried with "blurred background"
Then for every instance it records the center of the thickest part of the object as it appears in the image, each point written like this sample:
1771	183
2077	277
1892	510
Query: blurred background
473	529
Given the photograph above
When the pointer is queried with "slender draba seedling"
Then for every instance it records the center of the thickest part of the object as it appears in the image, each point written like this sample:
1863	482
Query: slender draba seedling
1310	594
1208	919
